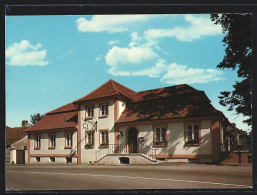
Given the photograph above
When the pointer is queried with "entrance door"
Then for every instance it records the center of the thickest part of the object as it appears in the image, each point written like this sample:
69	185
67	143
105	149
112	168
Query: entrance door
132	140
20	156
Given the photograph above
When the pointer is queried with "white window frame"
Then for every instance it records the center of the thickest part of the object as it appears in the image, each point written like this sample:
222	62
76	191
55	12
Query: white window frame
104	137
68	139
193	133
90	111
104	110
37	141
90	138
161	136
52	140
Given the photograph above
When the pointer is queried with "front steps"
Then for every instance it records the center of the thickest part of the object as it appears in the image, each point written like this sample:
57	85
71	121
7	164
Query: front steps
119	159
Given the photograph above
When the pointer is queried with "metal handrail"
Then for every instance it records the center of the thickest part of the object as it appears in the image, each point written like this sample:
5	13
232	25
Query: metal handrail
148	151
111	149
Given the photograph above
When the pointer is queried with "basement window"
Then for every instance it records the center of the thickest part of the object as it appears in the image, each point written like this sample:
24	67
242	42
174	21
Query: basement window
124	160
68	160
37	159
52	159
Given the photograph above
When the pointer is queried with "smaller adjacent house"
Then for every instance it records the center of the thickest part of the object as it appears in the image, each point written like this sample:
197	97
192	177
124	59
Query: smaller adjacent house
54	136
16	143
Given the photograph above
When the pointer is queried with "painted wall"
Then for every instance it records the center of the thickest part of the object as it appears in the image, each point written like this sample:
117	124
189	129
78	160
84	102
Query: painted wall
13	156
60	144
175	139
44	150
19	145
106	123
122	106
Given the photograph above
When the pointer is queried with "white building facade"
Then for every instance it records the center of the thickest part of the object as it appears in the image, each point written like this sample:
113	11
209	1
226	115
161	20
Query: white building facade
175	123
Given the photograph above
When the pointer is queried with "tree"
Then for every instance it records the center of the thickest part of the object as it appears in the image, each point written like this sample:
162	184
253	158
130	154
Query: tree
238	36
35	118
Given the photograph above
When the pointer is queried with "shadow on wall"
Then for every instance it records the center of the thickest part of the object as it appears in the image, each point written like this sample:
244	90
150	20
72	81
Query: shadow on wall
171	145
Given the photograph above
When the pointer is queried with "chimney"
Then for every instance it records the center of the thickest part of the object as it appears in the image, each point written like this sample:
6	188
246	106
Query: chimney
24	123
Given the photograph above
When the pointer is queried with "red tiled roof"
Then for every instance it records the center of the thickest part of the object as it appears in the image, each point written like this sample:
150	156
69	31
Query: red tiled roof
63	117
163	92
14	134
110	88
56	121
65	108
183	105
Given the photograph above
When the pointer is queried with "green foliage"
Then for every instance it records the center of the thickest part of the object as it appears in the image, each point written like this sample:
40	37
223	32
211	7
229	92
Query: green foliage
245	141
35	118
238	38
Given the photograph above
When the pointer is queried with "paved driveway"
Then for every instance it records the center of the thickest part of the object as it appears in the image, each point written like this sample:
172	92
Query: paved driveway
96	177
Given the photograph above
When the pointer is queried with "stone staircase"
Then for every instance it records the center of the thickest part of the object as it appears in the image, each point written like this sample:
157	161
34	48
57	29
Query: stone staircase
132	158
118	154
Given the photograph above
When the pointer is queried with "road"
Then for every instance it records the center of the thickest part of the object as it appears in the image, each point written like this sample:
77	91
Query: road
90	177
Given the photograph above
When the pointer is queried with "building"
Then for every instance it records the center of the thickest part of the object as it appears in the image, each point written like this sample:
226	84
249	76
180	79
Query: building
114	124
16	143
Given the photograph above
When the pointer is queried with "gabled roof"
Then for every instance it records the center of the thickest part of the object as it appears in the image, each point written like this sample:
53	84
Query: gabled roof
181	101
108	89
63	117
14	134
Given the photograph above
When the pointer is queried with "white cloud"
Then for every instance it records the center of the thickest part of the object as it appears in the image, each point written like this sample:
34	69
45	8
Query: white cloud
114	42
134	55
199	27
177	74
170	74
153	72
111	23
98	58
140	58
24	53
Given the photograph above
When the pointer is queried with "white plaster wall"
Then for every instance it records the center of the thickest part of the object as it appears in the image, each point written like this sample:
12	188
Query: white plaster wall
175	139
26	157
13	156
122	106
46	160
146	131
88	155
60	144
176	143
19	145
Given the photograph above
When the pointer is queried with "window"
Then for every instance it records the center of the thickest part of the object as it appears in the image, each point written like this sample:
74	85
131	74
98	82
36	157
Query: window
104	140
160	136
37	159
68	160
52	143
104	110
52	159
90	140
192	134
68	140
37	142
89	112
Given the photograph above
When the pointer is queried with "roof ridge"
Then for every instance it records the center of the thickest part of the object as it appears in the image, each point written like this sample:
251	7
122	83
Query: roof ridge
116	91
91	92
166	87
53	111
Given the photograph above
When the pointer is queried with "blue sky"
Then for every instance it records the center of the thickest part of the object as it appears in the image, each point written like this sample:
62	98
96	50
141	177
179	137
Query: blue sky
54	60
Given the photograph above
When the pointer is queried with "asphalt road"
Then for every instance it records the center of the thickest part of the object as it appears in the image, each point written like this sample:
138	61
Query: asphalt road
89	177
